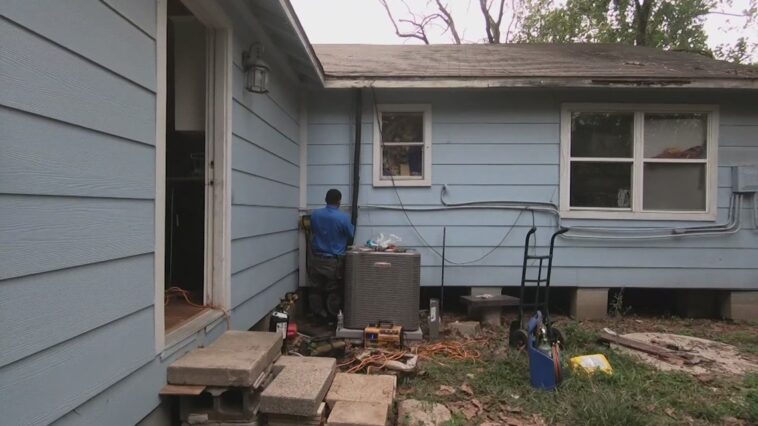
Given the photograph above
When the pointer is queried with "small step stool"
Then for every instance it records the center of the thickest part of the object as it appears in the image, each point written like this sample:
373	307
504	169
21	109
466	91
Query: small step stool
488	309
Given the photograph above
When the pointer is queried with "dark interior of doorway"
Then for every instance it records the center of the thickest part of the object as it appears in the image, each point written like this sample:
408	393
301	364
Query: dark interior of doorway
185	186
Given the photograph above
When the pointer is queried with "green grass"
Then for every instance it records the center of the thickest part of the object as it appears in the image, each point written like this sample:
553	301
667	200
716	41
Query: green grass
745	341
635	394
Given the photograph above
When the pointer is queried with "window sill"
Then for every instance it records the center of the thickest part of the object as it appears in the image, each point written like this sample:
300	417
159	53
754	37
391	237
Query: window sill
410	183
626	215
205	319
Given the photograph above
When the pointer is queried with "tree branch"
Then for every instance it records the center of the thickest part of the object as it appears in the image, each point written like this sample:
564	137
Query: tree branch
736	15
491	25
447	18
514	18
420	32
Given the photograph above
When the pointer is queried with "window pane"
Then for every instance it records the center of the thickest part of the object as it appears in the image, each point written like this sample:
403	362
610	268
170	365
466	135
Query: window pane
675	135
403	160
402	127
599	134
674	187
601	184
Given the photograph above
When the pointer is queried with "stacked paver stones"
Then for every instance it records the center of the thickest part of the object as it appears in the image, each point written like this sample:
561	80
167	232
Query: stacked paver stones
248	383
234	370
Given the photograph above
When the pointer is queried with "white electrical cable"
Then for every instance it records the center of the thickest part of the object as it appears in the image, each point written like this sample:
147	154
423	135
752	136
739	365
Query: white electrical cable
410	222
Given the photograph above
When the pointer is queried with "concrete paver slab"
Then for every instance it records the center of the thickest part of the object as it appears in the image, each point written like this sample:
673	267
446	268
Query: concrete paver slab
358	413
300	386
362	388
236	359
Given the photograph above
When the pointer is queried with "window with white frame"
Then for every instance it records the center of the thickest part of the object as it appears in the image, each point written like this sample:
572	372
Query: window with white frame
402	145
639	161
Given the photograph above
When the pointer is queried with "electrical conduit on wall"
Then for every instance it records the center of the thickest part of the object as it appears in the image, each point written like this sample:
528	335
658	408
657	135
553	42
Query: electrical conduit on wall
592	232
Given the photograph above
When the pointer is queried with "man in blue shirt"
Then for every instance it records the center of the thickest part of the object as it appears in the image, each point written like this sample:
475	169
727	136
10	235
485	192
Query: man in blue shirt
332	230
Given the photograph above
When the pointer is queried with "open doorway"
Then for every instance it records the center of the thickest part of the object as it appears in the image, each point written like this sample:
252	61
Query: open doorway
187	166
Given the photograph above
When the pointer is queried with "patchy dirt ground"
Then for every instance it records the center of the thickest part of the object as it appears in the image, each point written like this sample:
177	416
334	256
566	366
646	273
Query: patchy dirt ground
493	387
705	358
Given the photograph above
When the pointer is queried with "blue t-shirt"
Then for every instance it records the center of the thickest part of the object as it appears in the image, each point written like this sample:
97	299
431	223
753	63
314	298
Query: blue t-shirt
331	231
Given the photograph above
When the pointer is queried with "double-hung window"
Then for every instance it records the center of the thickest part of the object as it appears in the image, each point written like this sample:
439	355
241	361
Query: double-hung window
403	145
623	161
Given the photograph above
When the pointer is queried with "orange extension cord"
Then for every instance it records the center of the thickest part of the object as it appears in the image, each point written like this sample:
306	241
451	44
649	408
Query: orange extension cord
378	360
456	350
453	349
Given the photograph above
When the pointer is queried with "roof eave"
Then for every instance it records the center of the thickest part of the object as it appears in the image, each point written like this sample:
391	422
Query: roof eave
310	53
537	82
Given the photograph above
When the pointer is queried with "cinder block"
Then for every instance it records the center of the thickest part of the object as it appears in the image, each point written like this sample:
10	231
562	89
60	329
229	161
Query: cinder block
221	405
237	358
589	303
300	386
740	305
362	388
355	413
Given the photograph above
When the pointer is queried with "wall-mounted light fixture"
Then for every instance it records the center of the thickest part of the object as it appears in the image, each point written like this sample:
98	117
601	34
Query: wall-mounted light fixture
256	70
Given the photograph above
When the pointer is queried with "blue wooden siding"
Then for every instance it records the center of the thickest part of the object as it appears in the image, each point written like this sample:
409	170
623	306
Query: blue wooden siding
77	185
77	192
265	189
504	145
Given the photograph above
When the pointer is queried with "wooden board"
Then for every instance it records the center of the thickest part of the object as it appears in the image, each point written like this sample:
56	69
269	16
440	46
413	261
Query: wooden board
182	390
660	352
178	312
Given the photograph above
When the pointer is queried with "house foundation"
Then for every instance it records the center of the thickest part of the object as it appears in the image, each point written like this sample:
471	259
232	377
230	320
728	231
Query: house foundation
740	305
697	303
589	303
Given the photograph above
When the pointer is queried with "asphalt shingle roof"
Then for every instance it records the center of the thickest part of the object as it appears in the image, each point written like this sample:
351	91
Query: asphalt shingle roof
480	61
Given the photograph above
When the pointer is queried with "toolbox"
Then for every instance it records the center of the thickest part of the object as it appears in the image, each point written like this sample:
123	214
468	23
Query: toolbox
383	334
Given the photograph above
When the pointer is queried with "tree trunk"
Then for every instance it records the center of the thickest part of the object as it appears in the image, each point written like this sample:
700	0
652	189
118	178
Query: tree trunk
642	12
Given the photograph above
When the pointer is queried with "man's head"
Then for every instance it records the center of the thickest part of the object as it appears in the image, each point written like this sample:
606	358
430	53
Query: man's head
333	197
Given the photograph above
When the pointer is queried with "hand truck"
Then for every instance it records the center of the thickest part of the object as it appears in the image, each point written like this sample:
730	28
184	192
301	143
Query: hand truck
519	336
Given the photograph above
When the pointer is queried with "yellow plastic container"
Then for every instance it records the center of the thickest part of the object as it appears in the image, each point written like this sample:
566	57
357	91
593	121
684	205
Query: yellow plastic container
591	363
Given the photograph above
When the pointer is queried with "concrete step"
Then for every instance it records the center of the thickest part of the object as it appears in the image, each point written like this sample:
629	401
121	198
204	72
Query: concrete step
299	387
293	420
358	413
237	358
362	388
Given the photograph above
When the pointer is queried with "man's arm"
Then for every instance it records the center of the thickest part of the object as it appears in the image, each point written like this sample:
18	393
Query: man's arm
348	227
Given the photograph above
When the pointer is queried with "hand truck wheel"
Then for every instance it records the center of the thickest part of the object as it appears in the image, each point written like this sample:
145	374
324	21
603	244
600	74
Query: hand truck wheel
518	339
554	336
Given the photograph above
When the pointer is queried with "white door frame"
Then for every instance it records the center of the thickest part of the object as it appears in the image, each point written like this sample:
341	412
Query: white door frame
218	182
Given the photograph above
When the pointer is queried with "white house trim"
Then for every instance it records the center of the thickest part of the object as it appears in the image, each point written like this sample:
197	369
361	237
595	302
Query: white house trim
218	166
303	203
636	212
398	181
160	172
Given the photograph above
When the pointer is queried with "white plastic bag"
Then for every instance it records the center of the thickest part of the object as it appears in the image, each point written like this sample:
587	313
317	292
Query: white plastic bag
383	242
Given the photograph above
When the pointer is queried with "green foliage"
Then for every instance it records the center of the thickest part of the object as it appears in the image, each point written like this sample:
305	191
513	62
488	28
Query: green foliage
664	24
617	308
670	24
739	53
